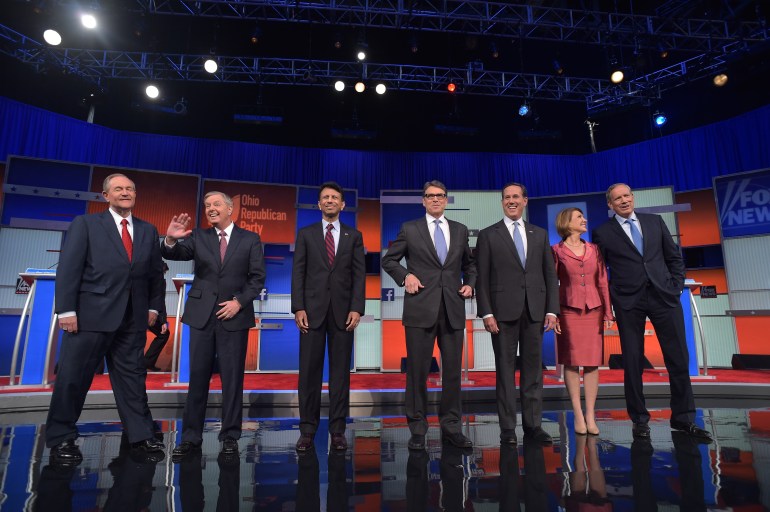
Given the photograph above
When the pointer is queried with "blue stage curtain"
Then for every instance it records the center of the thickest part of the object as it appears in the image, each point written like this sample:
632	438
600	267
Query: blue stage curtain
687	160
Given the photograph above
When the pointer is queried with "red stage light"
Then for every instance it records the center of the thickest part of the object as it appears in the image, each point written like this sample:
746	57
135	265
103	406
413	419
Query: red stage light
451	87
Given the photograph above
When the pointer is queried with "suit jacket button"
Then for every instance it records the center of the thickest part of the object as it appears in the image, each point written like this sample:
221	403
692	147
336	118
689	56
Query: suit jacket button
582	284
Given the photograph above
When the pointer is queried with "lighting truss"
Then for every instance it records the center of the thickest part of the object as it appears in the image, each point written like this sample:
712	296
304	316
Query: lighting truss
101	66
508	19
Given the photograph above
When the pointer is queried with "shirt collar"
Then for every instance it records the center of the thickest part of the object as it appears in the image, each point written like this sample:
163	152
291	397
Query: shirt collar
117	218
228	230
509	222
431	218
622	220
336	224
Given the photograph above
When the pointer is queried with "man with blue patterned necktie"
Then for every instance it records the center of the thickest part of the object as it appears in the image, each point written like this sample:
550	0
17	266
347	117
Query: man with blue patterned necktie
439	275
646	281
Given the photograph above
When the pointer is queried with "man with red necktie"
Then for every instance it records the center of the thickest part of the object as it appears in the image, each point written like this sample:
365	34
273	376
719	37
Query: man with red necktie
108	290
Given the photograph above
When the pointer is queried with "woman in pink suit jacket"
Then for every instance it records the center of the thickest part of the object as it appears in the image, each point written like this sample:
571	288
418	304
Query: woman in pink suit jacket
584	298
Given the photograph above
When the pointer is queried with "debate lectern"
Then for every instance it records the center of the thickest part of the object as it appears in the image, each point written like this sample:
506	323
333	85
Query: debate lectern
38	350
180	358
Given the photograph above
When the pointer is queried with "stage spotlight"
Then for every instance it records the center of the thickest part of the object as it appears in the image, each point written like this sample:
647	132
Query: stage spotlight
52	37
494	52
557	67
524	109
720	80
361	55
339	86
413	46
152	91
88	21
380	89
659	118
256	35
360	87
451	87
337	41
617	76
210	66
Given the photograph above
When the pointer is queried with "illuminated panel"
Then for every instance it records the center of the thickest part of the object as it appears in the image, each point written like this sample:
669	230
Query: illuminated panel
267	210
159	195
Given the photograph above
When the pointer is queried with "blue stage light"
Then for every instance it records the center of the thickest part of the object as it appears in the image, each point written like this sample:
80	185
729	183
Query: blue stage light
523	109
659	118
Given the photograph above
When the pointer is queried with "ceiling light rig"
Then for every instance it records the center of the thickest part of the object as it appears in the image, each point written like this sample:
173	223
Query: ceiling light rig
339	86
524	109
659	118
380	89
52	37
88	20
152	91
720	79
360	87
210	66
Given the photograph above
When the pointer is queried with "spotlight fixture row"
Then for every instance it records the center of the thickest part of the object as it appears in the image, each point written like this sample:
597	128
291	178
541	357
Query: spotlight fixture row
53	37
360	86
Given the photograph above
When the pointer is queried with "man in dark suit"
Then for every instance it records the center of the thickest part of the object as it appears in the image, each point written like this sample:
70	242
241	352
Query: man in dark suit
439	275
229	274
106	294
161	332
517	296
646	280
328	285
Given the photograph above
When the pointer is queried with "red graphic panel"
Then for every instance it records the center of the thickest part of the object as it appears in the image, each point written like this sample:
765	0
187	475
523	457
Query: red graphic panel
159	195
268	210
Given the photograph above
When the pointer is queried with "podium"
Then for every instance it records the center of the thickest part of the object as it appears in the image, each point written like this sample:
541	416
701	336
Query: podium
690	309
42	327
180	358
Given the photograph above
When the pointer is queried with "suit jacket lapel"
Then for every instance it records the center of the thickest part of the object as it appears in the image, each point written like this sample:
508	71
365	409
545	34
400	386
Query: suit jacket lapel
319	239
502	230
344	242
622	234
232	244
112	233
138	237
422	228
212	240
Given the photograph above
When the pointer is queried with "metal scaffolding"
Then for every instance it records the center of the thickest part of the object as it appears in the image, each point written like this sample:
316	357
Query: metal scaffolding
509	19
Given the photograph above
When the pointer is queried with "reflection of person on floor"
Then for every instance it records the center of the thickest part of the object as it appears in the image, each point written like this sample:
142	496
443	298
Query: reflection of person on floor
689	460
132	486
161	332
508	485
453	481
417	481
534	485
308	498
587	489
191	492
584	298
53	489
641	465
337	495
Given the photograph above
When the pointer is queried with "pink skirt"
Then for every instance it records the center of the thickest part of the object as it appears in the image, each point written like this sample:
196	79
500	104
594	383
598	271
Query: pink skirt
581	341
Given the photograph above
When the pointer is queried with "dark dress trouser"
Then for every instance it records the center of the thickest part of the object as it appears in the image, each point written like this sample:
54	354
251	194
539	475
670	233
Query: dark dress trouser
669	326
312	351
419	354
229	348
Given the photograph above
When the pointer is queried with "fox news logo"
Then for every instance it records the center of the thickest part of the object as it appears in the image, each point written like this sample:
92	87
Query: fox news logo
745	206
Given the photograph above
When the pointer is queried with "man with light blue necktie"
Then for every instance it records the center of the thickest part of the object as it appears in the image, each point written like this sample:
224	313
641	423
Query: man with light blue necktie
646	280
518	298
439	276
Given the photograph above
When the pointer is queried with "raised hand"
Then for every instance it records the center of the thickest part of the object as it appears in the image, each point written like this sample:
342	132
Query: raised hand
177	228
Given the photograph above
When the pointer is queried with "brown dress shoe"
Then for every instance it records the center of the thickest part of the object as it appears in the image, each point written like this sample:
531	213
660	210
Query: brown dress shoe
339	442
304	443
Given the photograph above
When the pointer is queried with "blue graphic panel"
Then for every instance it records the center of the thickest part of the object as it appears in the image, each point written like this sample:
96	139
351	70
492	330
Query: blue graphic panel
279	348
309	195
278	261
743	202
49	174
398	207
542	212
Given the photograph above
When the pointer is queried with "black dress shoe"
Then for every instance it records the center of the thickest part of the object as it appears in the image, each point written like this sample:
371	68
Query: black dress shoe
508	437
148	445
304	443
416	442
538	435
66	453
456	439
143	457
339	442
185	449
641	431
229	446
692	430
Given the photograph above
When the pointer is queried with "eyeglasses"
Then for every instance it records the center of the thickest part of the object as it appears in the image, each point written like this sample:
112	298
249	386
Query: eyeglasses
434	196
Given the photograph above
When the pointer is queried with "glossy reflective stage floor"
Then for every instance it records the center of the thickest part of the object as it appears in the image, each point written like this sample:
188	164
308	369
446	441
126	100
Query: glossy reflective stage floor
608	472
